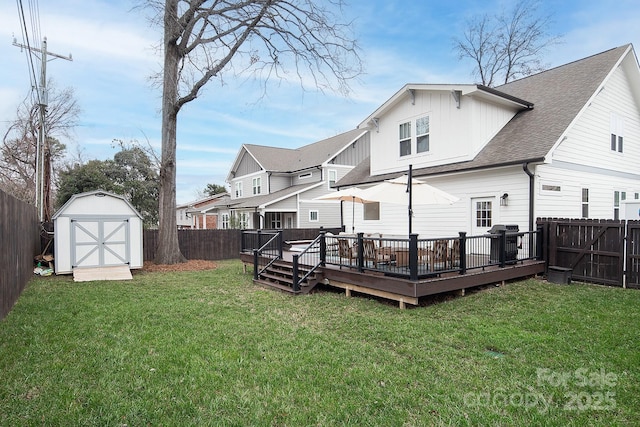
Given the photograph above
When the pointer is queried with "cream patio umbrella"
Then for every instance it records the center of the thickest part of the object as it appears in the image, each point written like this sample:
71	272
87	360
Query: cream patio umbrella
407	190
353	195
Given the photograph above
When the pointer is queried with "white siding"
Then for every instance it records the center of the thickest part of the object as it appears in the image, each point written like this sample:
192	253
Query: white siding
568	202
444	221
588	141
455	134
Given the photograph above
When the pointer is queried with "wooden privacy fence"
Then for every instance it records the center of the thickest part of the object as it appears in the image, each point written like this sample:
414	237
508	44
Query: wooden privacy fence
598	251
19	234
217	244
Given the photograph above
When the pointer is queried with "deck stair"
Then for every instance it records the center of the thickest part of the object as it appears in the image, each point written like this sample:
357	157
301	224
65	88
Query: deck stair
279	275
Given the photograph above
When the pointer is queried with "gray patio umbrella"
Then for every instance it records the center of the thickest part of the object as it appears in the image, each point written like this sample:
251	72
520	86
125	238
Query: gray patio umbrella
353	195
404	190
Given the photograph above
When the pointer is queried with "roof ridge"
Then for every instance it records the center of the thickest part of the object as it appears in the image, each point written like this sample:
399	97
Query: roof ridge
564	65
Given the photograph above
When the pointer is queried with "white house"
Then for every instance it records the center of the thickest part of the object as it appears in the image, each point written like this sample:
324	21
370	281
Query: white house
561	143
275	188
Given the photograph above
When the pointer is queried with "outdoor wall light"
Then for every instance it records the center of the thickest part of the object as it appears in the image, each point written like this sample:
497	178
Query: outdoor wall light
504	199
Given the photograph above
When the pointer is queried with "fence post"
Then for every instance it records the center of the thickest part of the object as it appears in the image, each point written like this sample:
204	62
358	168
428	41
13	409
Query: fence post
463	252
255	264
539	241
503	248
295	274
323	248
413	256
360	253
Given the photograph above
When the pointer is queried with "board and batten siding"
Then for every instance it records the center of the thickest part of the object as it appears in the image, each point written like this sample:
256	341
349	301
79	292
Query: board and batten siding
247	165
354	153
588	141
455	134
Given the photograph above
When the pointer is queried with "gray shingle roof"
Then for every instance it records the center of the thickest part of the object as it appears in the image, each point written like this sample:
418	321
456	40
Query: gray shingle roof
558	96
257	201
275	159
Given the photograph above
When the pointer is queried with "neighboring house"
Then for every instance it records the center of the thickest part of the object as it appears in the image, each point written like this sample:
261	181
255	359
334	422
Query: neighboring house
561	143
274	188
204	213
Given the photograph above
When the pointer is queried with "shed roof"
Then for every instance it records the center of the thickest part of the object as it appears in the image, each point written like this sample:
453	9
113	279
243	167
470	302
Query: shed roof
95	193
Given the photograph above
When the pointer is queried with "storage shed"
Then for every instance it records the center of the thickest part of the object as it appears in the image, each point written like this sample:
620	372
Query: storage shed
97	229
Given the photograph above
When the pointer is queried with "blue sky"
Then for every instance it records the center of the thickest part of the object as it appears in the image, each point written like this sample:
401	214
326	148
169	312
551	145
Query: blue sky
114	55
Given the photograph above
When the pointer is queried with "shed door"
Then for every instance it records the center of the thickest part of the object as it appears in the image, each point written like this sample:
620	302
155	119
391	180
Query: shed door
99	242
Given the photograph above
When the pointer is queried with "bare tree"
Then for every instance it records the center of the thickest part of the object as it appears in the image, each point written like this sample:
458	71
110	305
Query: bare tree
265	39
18	150
507	46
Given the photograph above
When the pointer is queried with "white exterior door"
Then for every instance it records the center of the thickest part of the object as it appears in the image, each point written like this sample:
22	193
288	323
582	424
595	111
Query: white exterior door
483	211
99	242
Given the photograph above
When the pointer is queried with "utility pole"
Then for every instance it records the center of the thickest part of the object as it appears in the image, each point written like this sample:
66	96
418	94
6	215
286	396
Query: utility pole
43	155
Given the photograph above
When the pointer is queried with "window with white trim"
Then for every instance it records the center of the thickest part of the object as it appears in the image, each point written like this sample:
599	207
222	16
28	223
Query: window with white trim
422	134
314	216
371	211
239	189
616	205
333	177
305	175
244	221
405	138
483	214
257	185
225	221
617	133
585	203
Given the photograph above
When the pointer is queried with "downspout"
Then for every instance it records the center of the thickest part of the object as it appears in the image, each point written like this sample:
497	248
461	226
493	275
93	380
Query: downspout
525	168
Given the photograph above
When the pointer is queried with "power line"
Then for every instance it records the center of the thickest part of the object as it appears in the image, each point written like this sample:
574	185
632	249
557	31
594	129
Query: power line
25	38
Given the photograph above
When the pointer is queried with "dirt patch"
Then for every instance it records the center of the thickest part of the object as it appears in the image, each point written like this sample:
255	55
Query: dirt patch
190	265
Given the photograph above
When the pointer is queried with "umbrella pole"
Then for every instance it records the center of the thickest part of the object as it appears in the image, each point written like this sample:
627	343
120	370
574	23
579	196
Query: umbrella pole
410	198
353	214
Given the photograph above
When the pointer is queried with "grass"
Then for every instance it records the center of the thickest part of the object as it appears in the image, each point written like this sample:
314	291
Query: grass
211	348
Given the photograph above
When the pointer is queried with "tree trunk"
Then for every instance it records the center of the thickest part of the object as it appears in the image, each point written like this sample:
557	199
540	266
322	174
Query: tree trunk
168	251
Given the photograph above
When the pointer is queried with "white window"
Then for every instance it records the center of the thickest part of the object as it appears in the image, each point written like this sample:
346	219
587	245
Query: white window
616	205
483	214
314	216
617	133
422	134
239	189
552	188
585	203
257	185
333	177
371	211
225	221
244	220
405	139
305	175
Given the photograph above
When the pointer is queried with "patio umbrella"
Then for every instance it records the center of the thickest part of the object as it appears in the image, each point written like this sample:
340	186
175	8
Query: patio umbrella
405	190
353	195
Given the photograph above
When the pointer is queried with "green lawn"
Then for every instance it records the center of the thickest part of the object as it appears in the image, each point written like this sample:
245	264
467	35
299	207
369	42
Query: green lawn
211	348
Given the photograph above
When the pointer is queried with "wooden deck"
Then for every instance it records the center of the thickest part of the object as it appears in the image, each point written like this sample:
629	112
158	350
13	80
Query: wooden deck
407	291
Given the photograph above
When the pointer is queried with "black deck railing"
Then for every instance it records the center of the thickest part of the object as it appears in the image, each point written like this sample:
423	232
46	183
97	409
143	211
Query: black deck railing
413	258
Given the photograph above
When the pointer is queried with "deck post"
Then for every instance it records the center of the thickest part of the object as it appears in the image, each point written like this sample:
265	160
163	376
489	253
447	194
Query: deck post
463	252
539	241
360	253
323	248
503	248
280	243
259	238
295	278
413	256
255	264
